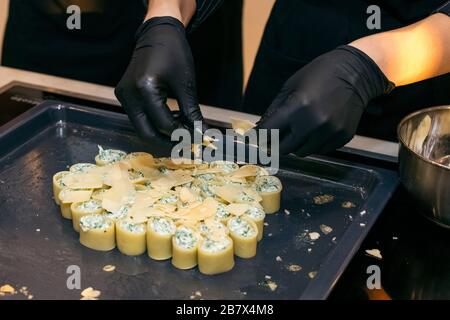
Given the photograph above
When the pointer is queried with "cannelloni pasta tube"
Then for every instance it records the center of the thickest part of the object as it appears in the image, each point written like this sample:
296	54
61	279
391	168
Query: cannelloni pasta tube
97	232
81	209
159	238
184	247
244	234
131	237
82	167
257	215
269	188
58	184
108	156
68	196
215	255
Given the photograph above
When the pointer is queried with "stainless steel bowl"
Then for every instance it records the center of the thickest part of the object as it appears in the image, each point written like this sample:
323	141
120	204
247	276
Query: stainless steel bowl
424	161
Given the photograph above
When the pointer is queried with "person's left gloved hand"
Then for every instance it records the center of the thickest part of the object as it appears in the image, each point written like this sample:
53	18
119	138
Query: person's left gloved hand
162	63
320	106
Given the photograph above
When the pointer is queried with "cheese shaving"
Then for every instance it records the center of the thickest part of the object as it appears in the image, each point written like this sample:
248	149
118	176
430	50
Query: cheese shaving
71	196
196	150
109	268
167	183
187	195
238	209
228	193
118	196
198	172
8	289
90	293
253	194
246	171
374	253
113	174
216	230
206	210
241	126
142	162
83	181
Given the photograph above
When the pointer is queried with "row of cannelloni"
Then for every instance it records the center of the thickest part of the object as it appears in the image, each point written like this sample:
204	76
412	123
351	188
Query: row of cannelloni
195	213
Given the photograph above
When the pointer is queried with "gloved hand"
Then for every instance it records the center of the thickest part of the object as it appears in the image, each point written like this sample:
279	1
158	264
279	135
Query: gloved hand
320	106
162	63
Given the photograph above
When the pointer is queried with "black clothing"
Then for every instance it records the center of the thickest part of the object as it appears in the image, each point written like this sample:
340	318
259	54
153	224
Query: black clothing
37	39
299	31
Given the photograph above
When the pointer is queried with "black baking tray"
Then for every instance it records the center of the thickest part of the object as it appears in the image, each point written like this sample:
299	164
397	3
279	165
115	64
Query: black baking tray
37	246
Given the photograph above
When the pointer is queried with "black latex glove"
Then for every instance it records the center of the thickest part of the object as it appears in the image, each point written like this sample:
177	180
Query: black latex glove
320	106
162	63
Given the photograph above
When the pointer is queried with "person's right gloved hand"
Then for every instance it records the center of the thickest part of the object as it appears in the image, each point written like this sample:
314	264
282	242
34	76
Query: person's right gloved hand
319	108
162	63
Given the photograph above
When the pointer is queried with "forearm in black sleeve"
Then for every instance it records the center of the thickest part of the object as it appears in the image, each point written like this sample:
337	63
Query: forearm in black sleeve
204	9
445	8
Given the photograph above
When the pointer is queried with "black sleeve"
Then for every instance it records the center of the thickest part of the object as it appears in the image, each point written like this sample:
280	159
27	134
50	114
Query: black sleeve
204	9
444	9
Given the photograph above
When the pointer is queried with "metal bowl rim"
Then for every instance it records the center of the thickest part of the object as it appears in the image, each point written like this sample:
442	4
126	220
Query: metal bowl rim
412	115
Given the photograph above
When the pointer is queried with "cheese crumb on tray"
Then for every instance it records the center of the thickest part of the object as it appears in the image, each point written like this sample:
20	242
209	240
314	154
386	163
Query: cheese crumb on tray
294	268
323	199
7	289
109	268
90	294
325	229
375	253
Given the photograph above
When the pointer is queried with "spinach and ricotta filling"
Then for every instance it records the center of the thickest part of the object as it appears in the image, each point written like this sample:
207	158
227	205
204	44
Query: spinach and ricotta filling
185	237
94	221
60	179
119	214
134	174
132	227
241	227
206	177
110	155
163	170
243	197
215	245
225	166
82	167
208	229
89	206
168	199
222	212
162	226
255	213
267	185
